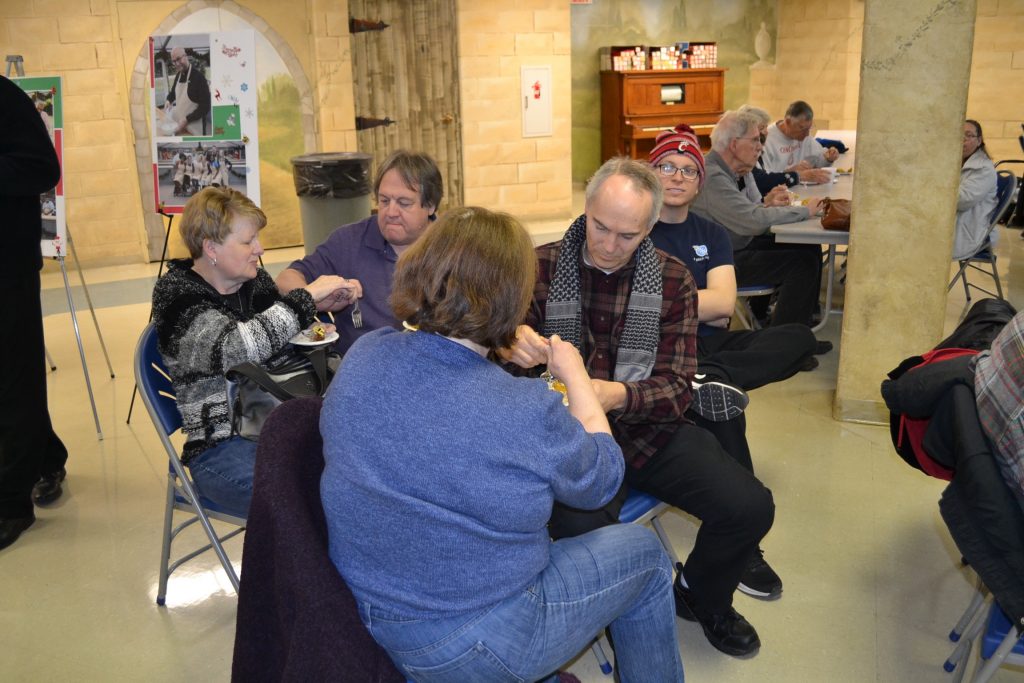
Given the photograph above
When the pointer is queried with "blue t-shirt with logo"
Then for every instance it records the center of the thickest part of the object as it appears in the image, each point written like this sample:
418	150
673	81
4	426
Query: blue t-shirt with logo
700	244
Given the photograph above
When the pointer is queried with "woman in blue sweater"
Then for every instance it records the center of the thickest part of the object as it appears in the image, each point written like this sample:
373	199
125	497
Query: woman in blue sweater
441	470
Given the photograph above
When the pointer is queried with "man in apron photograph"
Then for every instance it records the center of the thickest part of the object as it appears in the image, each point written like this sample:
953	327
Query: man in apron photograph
188	101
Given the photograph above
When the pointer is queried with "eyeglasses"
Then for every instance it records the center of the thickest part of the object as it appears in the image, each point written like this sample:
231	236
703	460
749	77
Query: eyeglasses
757	140
970	136
669	170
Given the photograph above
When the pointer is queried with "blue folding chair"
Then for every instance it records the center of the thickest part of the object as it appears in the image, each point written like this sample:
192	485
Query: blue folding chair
639	508
158	396
1006	183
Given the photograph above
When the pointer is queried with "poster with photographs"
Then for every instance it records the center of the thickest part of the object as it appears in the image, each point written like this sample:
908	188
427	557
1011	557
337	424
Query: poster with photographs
203	115
46	94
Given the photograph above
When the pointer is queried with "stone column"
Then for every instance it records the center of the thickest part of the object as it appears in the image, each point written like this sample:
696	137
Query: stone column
913	94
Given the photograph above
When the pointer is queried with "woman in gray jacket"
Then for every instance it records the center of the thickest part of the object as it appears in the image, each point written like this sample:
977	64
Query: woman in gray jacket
977	197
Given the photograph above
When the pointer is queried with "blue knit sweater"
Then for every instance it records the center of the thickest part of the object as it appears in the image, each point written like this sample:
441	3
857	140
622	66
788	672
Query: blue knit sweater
440	473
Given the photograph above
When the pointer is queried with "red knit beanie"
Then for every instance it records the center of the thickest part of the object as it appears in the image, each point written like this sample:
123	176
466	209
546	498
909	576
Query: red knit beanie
679	140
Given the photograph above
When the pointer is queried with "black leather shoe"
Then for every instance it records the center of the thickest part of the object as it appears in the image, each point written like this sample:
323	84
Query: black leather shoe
822	347
727	631
11	528
48	488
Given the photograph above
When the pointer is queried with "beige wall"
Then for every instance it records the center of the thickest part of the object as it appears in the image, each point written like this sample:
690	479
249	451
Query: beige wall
818	60
528	177
96	46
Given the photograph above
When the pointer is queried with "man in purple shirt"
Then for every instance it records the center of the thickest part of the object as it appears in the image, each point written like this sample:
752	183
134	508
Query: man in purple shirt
408	190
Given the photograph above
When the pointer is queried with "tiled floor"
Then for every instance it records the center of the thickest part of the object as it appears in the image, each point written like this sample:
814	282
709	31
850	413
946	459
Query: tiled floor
871	579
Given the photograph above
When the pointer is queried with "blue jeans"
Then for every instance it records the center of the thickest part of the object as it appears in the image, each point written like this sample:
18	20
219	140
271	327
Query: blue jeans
617	575
223	474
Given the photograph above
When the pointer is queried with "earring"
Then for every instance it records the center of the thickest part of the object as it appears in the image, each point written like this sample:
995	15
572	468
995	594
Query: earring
213	261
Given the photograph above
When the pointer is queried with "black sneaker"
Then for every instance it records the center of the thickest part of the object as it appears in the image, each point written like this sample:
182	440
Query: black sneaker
727	631
717	401
759	580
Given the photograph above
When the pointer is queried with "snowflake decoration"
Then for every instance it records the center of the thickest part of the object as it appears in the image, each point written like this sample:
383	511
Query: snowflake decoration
245	87
234	99
249	113
226	81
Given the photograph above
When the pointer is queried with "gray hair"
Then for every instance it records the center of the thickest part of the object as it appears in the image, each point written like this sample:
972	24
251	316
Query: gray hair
800	110
763	117
641	177
732	125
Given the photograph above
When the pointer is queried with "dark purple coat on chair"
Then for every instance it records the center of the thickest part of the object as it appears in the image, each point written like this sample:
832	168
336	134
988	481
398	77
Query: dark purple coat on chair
297	620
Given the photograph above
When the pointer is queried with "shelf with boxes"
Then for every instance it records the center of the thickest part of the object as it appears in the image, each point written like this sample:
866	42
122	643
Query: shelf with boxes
681	55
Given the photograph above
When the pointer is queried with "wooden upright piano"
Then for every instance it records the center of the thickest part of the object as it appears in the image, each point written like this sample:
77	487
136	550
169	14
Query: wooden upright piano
637	105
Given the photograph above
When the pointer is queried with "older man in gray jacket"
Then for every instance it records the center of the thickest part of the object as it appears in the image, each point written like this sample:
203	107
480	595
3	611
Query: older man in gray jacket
731	198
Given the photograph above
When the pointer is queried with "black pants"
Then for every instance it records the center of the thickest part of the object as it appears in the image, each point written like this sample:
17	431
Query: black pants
695	474
750	359
794	269
28	445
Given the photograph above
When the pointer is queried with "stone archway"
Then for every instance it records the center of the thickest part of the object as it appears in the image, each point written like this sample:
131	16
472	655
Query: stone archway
139	102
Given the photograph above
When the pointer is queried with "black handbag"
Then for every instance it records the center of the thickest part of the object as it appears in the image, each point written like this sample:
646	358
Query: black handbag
254	390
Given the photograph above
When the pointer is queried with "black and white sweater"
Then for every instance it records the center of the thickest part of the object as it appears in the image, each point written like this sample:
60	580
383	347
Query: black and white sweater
200	338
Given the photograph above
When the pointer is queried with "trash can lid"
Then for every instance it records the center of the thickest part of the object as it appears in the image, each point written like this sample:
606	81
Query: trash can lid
330	158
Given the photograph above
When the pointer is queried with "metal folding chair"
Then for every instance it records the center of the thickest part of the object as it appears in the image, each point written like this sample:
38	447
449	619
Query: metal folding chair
639	508
999	641
158	396
1006	183
743	310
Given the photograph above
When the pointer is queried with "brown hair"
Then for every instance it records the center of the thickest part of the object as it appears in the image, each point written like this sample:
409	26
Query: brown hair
470	276
208	214
418	171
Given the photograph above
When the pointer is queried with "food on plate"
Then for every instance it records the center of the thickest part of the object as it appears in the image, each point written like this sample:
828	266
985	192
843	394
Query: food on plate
317	332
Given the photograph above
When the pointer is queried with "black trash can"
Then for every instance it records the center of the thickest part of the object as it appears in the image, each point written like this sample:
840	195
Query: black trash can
333	190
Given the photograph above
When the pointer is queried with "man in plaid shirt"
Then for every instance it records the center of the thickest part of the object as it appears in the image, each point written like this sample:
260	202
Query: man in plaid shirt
632	312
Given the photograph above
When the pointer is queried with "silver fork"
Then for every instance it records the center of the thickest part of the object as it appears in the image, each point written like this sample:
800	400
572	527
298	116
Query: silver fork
357	315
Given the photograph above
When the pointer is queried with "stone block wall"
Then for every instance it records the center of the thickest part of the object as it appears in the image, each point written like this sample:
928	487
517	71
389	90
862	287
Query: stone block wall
77	39
818	47
997	77
528	177
818	55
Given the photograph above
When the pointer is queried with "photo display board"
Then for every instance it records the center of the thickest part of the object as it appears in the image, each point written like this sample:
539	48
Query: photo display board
46	93
203	115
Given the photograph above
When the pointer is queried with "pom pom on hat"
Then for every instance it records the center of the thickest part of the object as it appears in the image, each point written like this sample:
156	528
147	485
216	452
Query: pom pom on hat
679	140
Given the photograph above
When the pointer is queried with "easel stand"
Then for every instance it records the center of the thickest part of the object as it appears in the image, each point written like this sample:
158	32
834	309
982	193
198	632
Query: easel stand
17	62
74	322
159	274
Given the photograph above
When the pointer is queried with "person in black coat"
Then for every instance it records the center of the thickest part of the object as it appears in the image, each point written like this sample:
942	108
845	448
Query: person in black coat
32	457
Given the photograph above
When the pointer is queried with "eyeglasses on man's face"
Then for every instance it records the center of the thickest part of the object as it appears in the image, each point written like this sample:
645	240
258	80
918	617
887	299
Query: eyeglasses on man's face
757	139
970	136
669	170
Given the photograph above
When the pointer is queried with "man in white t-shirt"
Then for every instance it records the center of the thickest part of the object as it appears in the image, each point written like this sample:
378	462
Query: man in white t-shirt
789	145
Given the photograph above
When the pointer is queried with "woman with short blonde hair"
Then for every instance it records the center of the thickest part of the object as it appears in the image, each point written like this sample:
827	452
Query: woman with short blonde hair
213	311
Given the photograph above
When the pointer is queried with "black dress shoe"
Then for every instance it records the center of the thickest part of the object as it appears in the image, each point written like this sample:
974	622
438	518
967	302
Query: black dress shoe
809	364
727	631
48	488
823	346
11	528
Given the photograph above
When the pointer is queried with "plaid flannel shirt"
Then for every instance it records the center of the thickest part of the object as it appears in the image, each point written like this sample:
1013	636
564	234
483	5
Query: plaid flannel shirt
654	406
999	390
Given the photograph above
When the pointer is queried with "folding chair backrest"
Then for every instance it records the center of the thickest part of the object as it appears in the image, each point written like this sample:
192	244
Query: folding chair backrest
1006	183
155	384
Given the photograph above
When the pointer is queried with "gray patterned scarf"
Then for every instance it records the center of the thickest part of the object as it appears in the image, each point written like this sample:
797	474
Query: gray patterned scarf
563	312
